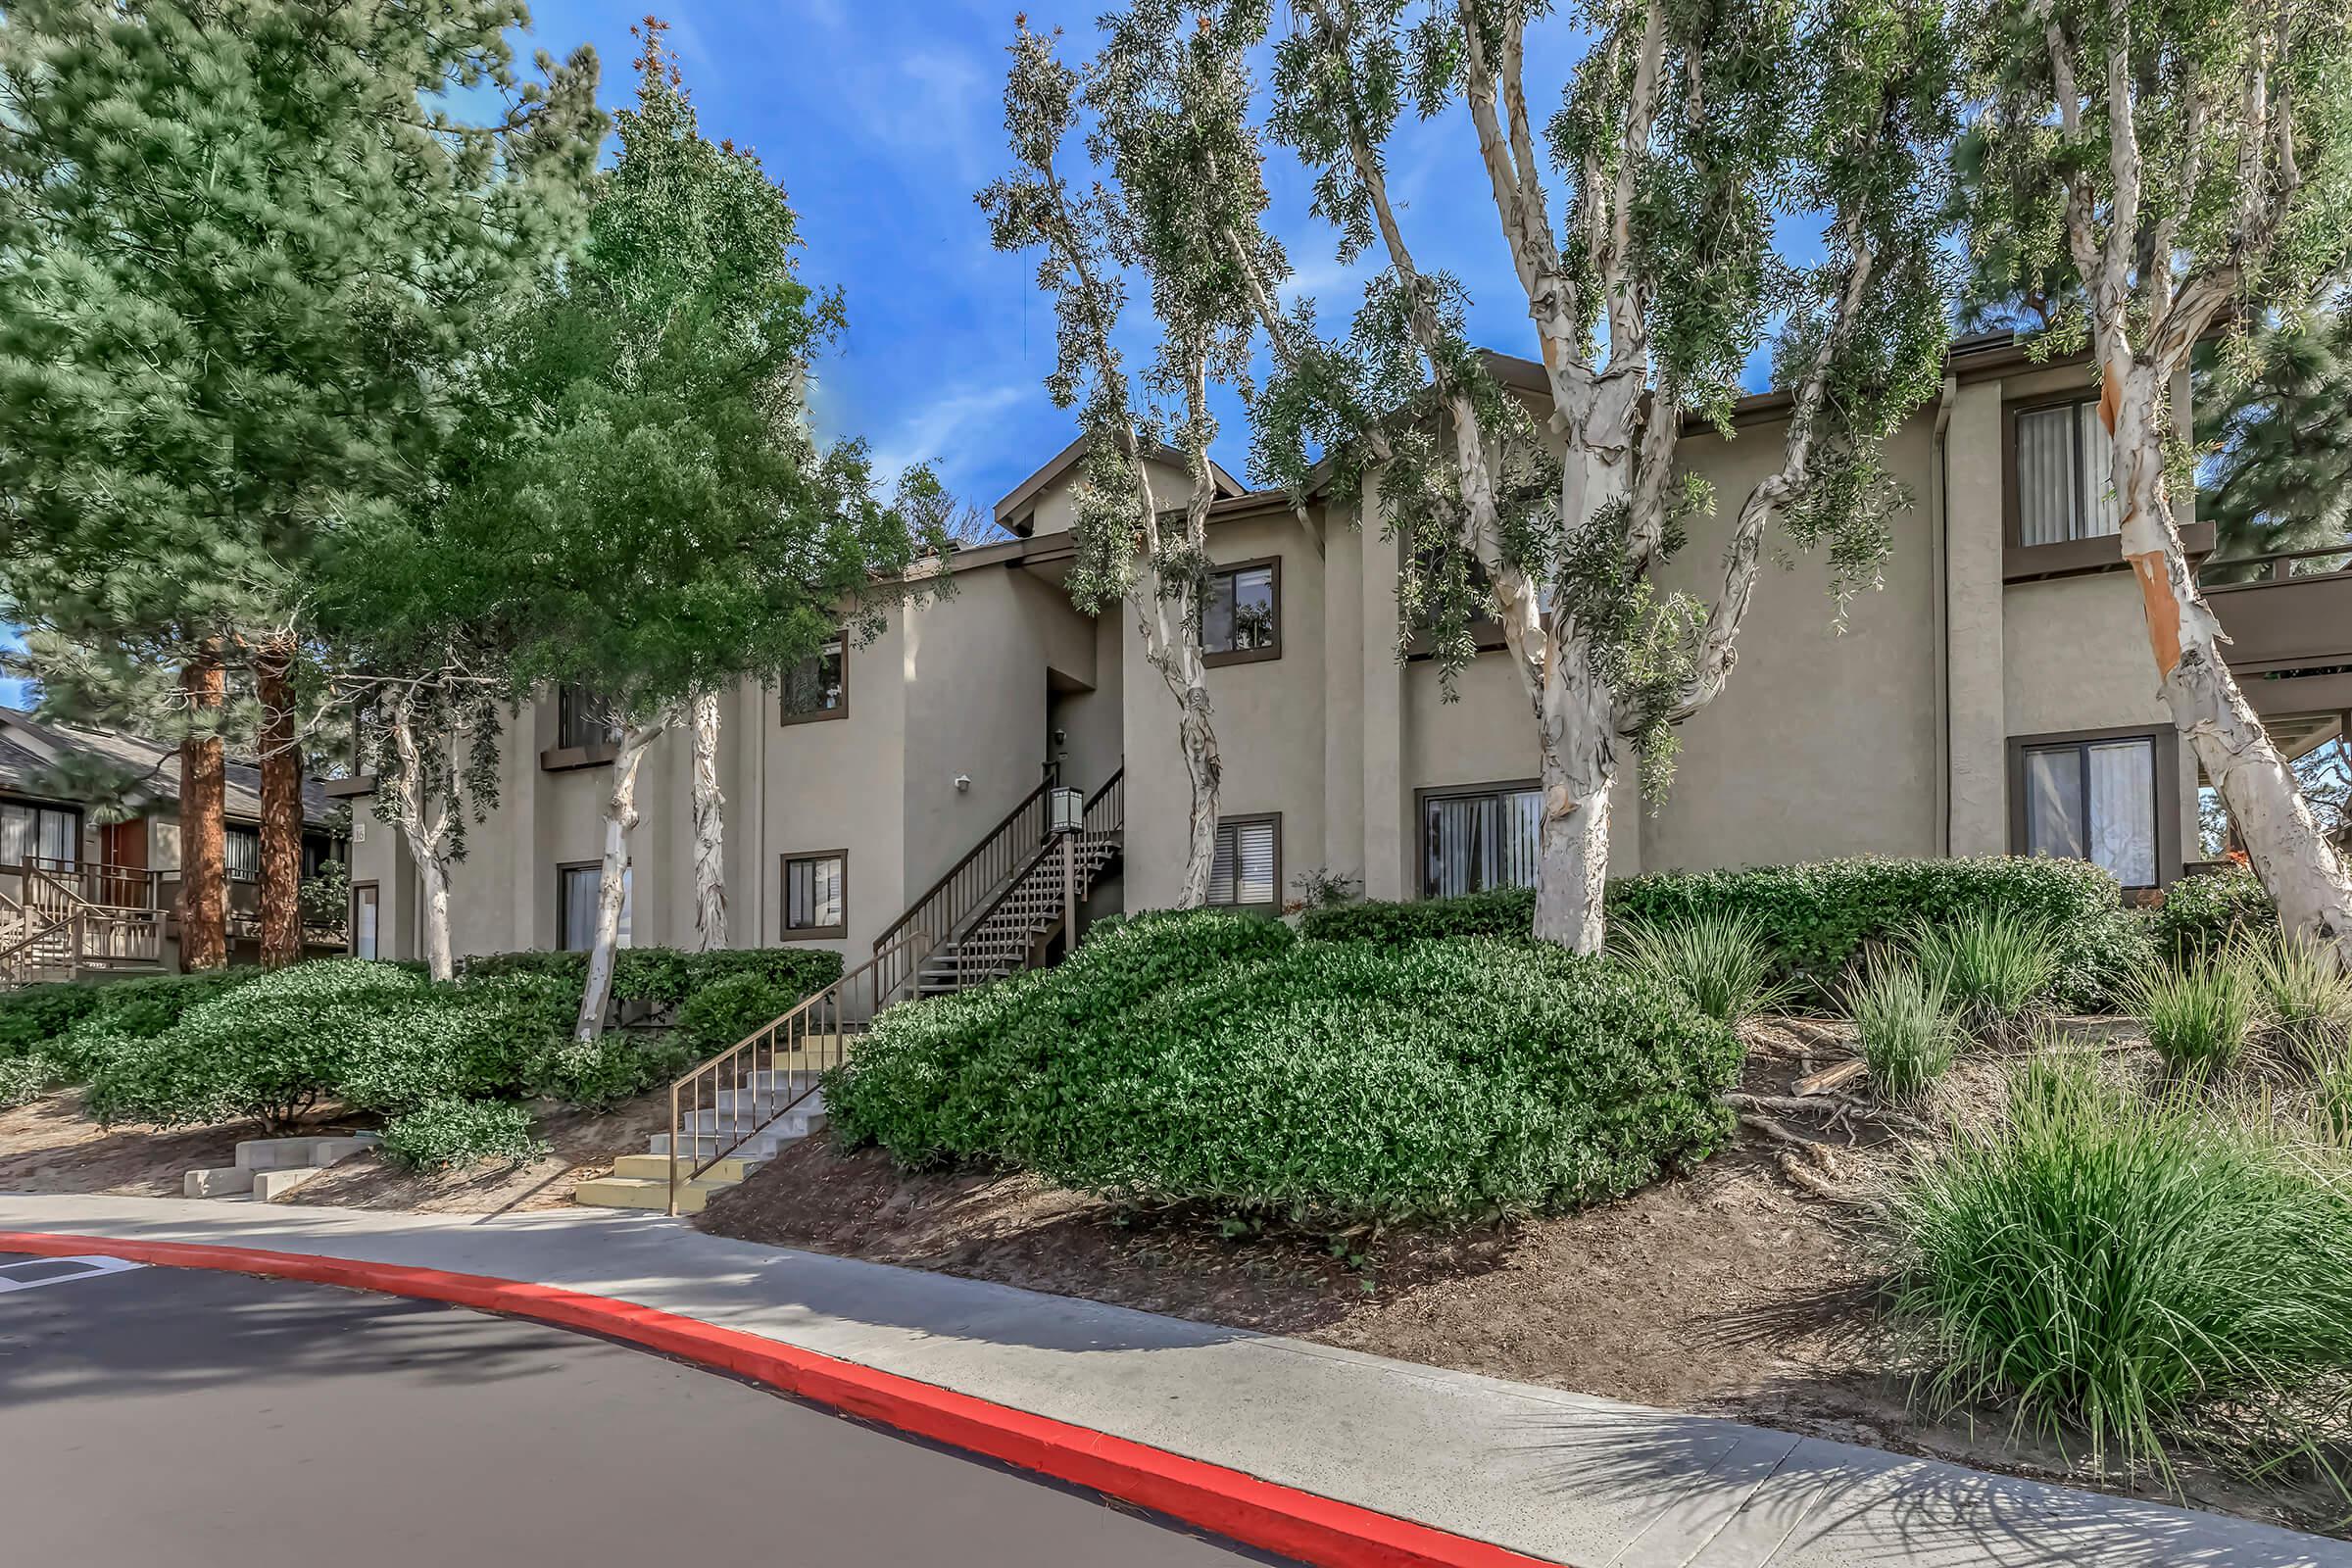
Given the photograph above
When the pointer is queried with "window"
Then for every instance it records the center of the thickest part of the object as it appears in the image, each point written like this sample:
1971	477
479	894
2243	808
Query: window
818	686
583	720
39	833
242	846
1472	840
2063	487
817	894
1247	868
2097	800
1241	617
362	920
575	903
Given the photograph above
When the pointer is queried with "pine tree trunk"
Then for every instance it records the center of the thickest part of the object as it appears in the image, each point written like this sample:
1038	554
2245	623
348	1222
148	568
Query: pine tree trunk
1204	771
709	829
203	909
1579	771
620	818
281	813
2305	875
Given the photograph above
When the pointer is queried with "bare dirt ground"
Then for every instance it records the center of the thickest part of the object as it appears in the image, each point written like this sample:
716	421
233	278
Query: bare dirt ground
52	1145
1732	1290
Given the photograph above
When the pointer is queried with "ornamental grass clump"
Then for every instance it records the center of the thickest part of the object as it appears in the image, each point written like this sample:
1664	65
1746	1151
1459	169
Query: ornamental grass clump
2306	999
2140	1273
1906	1032
1996	966
1722	961
2199	1014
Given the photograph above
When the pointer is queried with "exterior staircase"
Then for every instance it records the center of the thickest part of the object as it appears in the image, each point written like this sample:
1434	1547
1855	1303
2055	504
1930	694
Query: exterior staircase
994	913
64	920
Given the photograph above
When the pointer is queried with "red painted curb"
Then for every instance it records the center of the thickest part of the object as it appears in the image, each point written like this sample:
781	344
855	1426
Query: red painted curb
1240	1507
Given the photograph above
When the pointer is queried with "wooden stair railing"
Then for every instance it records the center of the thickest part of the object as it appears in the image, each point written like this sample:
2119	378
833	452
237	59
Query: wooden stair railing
767	1074
975	954
946	906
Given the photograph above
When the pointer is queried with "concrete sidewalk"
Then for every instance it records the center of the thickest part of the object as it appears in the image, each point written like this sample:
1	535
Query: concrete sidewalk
1559	1476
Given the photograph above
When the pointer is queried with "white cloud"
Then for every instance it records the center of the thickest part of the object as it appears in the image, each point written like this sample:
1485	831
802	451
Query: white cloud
951	433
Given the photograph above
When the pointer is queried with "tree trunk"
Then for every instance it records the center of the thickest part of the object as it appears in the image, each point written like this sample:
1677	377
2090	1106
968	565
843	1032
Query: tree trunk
440	960
1578	772
203	853
709	829
281	812
621	817
1204	770
2304	874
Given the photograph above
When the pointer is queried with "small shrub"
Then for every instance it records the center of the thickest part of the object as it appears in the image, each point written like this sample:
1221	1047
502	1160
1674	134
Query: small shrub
1993	965
2199	1015
2202	915
1908	1038
622	1064
2306	999
730	1008
665	977
32	1015
2128	1266
24	1079
1720	961
1507	912
450	1134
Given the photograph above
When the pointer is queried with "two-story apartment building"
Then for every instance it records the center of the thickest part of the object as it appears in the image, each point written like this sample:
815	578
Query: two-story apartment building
1994	694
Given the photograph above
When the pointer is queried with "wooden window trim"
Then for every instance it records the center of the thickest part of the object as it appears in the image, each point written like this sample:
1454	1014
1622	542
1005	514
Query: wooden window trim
1252	819
820	716
784	864
1446	792
2067	558
1245	656
2167	748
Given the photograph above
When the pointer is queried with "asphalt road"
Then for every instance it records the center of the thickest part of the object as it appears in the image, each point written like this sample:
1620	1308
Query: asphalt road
156	1417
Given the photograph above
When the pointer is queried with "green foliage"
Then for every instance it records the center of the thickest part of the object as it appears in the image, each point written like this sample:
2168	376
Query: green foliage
2283	448
32	1015
2306	1001
666	977
2199	1014
62	1020
1817	916
2134	1268
729	1009
1993	965
1212	1060
456	1134
1721	962
619	1065
2201	915
24	1079
1902	1019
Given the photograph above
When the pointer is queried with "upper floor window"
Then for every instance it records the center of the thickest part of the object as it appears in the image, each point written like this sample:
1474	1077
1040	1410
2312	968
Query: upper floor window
583	718
1241	614
2064	489
818	686
2095	798
1476	839
1247	868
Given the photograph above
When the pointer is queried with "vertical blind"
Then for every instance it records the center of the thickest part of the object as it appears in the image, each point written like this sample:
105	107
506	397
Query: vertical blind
39	832
575	901
1243	869
814	894
1474	842
2064	488
2095	802
242	848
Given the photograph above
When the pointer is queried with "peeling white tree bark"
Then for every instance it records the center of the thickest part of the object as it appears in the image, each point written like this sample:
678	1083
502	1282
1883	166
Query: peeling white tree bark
422	816
709	830
620	819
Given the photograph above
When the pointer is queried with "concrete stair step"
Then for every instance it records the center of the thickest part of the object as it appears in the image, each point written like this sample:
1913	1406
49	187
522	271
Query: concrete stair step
640	1192
655	1168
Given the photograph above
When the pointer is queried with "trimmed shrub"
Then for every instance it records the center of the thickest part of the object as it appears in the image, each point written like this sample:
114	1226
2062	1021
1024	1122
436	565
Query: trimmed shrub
2129	1267
1908	1038
728	1010
2201	915
1721	962
24	1079
30	1016
1992	965
2199	1015
1818	916
1209	1059
665	977
623	1064
450	1134
65	1021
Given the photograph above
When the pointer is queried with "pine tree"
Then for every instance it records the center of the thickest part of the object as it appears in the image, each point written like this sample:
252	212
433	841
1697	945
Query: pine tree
2277	435
238	255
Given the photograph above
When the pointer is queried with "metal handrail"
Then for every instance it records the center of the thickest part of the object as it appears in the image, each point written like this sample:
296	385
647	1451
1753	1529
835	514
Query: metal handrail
2280	565
1104	813
975	875
761	1077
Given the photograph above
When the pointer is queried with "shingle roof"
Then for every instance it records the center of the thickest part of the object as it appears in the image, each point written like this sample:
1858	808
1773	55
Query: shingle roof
24	768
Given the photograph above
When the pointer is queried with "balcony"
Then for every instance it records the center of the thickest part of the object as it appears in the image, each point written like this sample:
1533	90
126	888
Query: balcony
2289	618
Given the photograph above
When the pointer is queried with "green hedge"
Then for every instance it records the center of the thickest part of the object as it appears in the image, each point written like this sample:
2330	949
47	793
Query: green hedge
666	977
1819	914
2200	915
450	1134
1209	1058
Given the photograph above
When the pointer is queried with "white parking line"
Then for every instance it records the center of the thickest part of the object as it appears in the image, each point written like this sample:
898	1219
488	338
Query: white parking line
31	1273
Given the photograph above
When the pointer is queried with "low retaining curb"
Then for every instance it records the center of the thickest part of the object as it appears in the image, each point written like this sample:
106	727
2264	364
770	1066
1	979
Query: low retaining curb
1255	1512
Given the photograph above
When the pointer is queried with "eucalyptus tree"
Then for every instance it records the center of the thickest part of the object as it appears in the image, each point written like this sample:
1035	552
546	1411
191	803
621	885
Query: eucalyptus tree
2191	162
1177	190
242	245
1686	136
661	524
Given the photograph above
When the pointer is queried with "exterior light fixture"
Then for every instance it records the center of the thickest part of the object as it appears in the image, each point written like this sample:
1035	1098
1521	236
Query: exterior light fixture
1066	811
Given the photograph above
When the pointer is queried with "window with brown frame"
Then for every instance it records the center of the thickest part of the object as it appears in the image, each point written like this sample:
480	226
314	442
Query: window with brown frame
583	720
1247	870
818	686
364	913
2109	796
1481	837
576	886
2061	458
816	895
1240	612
